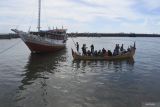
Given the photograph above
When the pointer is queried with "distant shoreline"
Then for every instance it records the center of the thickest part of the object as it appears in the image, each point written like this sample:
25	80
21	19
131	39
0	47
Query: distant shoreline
111	35
12	35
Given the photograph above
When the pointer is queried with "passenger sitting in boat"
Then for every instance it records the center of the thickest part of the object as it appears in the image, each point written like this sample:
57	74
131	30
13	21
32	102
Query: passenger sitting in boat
99	53
95	53
89	53
128	50
124	51
109	53
104	51
121	49
114	52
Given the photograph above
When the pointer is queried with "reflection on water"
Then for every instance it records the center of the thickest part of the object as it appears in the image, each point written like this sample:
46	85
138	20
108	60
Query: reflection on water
105	82
116	65
41	64
38	68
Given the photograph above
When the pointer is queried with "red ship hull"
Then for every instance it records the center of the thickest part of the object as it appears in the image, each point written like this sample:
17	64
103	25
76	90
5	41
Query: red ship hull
38	48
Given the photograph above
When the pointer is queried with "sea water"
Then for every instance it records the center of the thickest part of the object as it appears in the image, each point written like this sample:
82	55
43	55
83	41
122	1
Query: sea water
55	80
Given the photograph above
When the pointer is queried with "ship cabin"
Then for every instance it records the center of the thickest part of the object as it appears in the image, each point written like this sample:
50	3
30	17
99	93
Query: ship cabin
57	34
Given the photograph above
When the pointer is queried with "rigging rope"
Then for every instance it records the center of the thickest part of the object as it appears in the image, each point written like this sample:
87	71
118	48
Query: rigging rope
9	47
74	42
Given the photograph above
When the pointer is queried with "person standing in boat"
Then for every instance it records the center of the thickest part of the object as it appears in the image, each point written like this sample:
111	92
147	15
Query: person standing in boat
92	49
84	49
77	46
116	50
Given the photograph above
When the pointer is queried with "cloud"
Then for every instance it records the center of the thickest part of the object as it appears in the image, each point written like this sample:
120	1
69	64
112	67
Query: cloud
151	4
83	15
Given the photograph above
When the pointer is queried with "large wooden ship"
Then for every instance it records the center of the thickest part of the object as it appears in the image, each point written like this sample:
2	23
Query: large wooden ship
43	41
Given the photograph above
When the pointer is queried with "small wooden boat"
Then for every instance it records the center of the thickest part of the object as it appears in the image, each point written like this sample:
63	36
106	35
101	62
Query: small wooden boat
127	55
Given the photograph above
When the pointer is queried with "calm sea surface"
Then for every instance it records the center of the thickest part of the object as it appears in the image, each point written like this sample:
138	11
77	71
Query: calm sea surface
55	80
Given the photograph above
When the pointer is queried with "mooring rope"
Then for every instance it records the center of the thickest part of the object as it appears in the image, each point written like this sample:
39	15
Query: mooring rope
74	42
9	47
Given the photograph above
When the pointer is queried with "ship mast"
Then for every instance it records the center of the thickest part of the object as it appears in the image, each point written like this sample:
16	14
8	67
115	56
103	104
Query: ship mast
39	16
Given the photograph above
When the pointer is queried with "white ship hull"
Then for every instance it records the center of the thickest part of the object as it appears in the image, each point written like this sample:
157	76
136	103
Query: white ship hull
39	44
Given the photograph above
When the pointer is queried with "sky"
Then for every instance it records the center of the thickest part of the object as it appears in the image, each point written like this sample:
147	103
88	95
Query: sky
94	16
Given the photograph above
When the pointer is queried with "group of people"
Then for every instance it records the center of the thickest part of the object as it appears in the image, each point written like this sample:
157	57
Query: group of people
118	50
